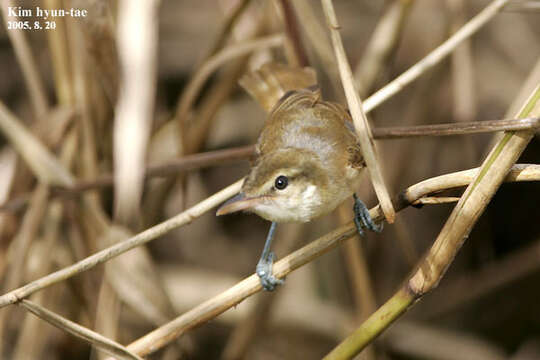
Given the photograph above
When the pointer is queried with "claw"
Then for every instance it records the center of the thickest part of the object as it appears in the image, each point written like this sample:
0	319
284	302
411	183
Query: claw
362	219
264	271
264	266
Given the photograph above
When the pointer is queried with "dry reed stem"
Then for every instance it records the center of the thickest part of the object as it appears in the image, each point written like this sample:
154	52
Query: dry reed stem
463	76
532	81
519	173
33	336
85	284
97	223
135	107
37	157
52	133
435	56
382	44
30	340
213	63
27	232
20	246
295	305
452	129
209	309
251	285
360	121
107	315
294	49
99	32
359	277
121	247
455	231
317	36
101	342
464	99
245	34
473	202
244	333
493	276
211	158
401	169
184	103
406	242
217	96
136	280
528	86
210	105
228	26
58	49
26	59
193	135
171	168
8	161
85	131
435	200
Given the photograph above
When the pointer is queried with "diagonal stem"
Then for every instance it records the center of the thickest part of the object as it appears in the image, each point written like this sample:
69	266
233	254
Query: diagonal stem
456	229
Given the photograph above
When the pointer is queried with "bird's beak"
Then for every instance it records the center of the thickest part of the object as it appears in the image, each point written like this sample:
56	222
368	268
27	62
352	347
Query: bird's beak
238	203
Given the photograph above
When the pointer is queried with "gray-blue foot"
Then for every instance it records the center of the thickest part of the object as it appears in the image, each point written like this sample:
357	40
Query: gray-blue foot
362	219
264	271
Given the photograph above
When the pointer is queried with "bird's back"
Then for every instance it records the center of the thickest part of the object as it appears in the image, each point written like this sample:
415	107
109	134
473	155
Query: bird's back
302	120
299	118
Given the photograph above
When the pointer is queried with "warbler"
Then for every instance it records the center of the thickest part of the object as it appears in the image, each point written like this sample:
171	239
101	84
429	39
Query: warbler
308	158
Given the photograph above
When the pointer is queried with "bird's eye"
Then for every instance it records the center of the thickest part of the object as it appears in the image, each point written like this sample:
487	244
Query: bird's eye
281	182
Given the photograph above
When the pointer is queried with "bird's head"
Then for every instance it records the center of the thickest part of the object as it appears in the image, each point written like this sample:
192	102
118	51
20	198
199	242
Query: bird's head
286	185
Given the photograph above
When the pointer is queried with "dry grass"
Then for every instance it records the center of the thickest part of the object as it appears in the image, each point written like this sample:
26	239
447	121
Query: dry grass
96	241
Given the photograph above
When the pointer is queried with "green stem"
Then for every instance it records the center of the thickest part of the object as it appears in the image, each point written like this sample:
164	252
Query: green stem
405	297
373	326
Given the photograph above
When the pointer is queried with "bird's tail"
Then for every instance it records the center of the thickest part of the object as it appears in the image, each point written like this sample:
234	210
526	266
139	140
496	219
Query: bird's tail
272	81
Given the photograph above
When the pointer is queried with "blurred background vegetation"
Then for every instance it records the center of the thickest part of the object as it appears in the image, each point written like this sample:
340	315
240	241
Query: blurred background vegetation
486	306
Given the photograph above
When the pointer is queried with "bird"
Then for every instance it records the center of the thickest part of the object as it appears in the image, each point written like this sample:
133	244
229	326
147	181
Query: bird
307	157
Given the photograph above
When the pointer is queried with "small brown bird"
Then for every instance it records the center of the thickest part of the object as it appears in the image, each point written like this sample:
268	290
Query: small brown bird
308	159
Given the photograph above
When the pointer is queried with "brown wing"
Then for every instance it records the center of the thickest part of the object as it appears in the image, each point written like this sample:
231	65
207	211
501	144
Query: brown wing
273	80
356	159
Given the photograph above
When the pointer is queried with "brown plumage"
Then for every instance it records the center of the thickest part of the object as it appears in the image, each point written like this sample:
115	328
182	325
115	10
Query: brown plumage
272	81
306	140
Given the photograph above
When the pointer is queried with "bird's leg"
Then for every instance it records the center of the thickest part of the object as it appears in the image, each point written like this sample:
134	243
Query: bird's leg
264	266
362	217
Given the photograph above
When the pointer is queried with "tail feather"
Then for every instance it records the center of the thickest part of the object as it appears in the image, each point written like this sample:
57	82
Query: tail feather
268	84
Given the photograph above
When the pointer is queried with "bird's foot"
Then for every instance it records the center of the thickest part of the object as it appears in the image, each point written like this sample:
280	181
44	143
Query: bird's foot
362	219
264	271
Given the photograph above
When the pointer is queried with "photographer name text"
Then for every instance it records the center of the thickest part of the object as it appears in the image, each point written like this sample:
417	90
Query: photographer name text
45	18
20	12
